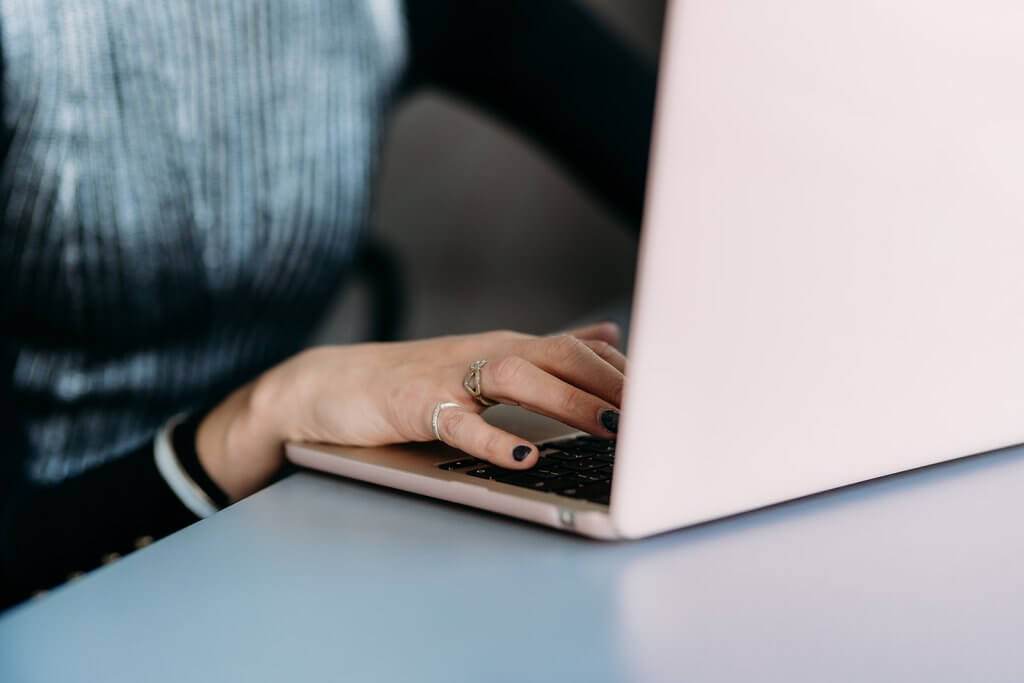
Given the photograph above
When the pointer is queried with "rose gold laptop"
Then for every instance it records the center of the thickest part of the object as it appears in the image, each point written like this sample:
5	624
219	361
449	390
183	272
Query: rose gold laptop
831	284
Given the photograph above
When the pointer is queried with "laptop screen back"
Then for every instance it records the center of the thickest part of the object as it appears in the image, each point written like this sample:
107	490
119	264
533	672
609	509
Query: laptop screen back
831	283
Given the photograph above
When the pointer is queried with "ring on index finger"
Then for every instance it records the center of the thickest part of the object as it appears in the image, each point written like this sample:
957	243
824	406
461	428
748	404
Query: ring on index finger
472	384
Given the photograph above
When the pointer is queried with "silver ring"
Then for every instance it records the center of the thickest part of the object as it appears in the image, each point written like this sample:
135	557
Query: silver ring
437	412
472	384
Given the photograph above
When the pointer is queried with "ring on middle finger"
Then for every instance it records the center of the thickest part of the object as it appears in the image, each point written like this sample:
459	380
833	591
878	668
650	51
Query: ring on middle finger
473	385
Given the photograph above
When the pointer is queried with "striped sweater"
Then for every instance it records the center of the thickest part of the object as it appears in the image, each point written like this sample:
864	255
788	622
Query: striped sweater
182	188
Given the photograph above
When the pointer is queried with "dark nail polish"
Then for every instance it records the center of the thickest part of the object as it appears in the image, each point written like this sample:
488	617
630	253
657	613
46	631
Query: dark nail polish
610	420
520	453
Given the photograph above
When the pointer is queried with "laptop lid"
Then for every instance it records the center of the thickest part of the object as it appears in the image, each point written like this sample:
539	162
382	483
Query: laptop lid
831	285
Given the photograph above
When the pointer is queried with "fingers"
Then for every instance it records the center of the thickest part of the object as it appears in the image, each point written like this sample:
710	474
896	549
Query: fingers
469	432
607	332
516	380
609	353
578	364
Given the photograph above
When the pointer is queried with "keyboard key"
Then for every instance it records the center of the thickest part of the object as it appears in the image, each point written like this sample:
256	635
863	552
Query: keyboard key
571	466
581	464
545	472
551	485
489	472
549	471
565	457
459	464
518	478
577	479
560	485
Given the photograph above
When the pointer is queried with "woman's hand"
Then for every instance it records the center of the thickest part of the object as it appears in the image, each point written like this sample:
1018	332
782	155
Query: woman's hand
377	394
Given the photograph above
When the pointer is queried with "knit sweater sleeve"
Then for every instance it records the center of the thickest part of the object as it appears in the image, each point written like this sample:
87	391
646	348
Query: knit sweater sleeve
553	71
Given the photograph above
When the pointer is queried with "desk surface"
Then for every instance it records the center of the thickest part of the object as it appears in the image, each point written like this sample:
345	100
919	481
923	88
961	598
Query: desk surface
914	577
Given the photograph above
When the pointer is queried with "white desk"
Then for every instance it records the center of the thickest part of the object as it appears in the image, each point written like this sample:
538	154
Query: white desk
916	577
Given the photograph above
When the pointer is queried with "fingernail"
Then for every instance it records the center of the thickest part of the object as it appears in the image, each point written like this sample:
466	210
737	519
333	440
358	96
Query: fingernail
520	453
610	420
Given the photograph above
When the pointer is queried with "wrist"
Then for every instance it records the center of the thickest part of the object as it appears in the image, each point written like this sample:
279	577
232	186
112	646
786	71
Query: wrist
240	443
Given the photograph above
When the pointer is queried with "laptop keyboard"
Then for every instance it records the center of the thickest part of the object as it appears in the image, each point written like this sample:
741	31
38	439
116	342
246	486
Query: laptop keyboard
579	467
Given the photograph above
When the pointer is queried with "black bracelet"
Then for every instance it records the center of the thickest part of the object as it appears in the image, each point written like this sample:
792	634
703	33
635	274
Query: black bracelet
183	441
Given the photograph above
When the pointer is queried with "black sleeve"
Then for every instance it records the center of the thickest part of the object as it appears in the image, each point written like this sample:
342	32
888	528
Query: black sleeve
49	532
551	69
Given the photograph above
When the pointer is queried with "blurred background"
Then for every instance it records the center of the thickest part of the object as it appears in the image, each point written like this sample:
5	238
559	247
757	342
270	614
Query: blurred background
453	179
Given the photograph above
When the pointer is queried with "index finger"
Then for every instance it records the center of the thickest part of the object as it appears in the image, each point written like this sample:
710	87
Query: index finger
572	360
606	331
